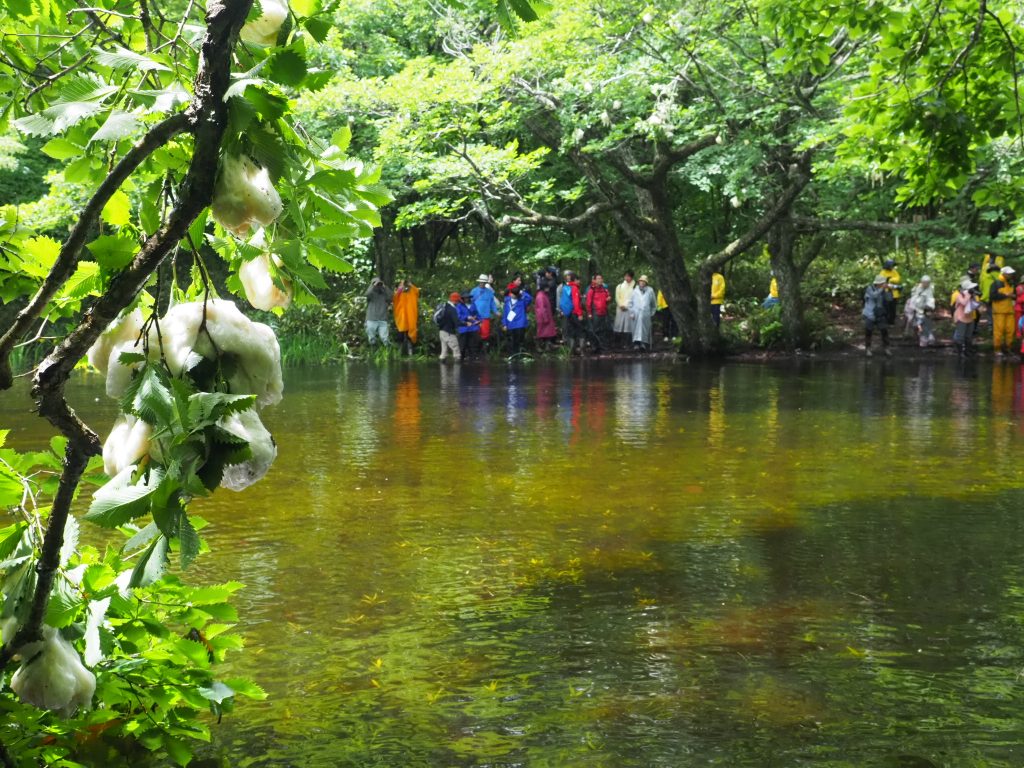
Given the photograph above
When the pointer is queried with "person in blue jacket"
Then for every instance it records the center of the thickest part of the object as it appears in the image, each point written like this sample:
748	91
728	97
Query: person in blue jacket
469	326
514	319
486	304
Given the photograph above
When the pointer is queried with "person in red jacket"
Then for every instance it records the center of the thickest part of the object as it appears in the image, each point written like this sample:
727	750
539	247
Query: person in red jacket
596	306
571	308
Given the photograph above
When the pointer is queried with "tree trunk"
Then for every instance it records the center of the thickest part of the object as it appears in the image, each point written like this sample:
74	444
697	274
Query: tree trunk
781	247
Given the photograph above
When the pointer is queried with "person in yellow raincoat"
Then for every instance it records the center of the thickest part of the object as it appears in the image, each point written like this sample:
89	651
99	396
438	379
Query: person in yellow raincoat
669	329
1001	298
717	296
893	276
406	305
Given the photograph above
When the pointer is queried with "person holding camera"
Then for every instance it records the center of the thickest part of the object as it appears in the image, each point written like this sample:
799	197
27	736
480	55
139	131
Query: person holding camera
378	299
966	307
878	302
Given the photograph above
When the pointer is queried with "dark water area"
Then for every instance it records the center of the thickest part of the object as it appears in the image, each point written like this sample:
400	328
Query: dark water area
627	564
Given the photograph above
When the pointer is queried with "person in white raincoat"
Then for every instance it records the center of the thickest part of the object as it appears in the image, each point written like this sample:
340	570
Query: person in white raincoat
919	310
642	306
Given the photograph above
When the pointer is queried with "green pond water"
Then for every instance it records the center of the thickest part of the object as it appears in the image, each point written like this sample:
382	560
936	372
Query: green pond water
632	564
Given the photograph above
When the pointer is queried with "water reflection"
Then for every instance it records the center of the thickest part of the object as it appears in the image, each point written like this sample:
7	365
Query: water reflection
632	564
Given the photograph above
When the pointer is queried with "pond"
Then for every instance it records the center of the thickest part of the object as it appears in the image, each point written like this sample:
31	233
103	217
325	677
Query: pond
629	564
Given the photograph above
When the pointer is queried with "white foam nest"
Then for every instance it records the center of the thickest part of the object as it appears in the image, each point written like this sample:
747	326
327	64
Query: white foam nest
253	347
247	425
128	442
52	675
259	286
264	30
122	335
244	197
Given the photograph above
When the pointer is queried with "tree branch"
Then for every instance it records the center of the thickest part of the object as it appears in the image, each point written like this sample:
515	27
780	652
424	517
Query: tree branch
800	177
535	218
207	115
67	259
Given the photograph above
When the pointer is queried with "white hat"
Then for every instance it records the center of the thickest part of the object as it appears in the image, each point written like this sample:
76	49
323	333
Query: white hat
925	279
966	284
1007	271
483	279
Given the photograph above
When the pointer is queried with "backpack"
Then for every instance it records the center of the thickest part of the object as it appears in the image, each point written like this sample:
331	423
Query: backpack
565	300
439	313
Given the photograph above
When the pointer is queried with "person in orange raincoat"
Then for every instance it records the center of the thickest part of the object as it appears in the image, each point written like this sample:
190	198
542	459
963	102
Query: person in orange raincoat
406	305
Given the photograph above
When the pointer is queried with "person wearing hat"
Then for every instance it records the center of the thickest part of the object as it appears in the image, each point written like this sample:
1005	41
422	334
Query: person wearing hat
965	311
877	300
447	319
1000	299
486	304
378	298
717	296
469	326
643	305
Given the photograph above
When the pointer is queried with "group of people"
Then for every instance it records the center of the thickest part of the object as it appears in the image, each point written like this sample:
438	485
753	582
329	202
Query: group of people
590	316
474	321
985	288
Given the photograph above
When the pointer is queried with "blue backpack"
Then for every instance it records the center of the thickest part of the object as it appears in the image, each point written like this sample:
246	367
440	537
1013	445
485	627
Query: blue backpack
565	300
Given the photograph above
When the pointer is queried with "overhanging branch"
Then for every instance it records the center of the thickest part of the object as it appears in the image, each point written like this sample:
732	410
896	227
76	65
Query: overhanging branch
67	259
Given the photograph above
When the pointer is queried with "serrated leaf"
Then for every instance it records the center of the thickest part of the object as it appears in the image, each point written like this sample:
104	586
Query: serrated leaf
318	28
287	67
38	254
118	210
206	408
189	541
119	500
122	58
247	688
151	564
153	401
65	602
118	125
143	536
324	259
113	252
213	593
11	489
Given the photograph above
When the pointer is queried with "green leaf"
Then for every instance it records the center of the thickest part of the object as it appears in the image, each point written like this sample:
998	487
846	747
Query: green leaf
287	67
64	605
62	149
11	489
118	210
151	564
119	500
122	58
318	28
95	615
247	688
38	255
217	692
189	541
305	7
113	252
324	259
118	125
153	401
206	408
342	138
